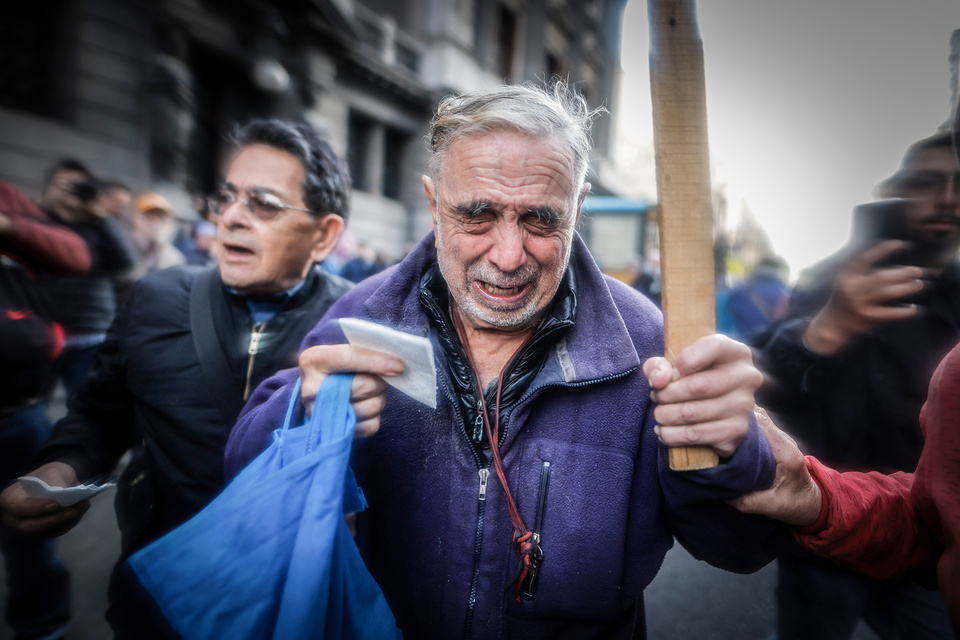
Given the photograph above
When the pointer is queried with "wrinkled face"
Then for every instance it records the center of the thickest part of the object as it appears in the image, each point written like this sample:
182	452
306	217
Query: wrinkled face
934	201
258	257
504	211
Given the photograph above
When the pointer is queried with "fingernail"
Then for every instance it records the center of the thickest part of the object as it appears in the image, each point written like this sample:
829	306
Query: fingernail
53	506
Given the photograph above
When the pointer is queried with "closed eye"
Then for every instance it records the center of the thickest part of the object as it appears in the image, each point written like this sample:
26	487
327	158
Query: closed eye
544	220
475	216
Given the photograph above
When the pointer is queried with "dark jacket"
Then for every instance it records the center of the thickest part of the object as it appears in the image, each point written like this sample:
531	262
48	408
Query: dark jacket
86	304
149	391
441	549
859	408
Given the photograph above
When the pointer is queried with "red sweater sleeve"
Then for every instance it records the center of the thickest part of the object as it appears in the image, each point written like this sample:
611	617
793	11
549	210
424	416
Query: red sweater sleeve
869	522
38	240
937	486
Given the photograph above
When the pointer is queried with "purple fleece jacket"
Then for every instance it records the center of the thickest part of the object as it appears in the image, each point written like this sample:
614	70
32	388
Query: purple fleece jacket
442	555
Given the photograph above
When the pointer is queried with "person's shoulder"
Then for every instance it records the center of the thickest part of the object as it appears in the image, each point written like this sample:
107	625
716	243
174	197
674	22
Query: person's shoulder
642	318
166	281
626	296
332	284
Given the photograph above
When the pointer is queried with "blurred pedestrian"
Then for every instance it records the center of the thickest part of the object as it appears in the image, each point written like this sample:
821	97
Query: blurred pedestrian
201	250
648	281
116	200
151	229
190	345
38	585
846	373
364	264
760	300
83	304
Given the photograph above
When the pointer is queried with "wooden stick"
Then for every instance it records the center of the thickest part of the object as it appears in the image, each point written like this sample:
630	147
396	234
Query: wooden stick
683	182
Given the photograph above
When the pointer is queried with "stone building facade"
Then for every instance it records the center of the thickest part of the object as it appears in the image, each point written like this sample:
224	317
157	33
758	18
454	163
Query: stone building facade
146	92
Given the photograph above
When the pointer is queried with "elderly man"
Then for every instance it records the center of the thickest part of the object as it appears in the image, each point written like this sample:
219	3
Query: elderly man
533	501
847	372
190	345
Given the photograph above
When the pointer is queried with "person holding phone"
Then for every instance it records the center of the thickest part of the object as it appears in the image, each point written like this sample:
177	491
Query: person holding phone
846	373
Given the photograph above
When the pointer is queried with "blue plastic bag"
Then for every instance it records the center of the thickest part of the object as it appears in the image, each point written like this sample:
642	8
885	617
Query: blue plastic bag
271	556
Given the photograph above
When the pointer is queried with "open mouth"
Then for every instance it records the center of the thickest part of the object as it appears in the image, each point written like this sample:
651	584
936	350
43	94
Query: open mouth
494	290
237	250
502	295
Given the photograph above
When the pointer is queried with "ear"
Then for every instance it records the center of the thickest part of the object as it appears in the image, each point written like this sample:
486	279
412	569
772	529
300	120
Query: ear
583	196
326	235
430	189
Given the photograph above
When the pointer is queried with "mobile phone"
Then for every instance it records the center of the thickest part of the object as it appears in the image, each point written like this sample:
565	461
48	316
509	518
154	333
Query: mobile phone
876	222
85	190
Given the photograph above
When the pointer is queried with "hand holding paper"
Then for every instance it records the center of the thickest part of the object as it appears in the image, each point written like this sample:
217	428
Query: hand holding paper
419	378
64	496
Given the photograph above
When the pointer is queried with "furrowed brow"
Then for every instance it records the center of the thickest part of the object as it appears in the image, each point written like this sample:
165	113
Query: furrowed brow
472	210
546	214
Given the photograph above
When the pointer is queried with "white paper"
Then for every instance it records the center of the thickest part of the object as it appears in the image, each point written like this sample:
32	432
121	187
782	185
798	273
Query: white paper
419	377
64	496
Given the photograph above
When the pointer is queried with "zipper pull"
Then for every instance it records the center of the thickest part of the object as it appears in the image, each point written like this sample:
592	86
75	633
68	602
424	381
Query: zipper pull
529	587
484	474
478	428
255	340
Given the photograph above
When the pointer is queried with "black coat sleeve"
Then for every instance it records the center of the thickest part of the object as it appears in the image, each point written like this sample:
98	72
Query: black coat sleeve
98	428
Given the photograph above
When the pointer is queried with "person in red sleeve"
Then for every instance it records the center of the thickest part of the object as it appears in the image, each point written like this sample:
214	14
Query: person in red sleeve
38	602
28	234
884	526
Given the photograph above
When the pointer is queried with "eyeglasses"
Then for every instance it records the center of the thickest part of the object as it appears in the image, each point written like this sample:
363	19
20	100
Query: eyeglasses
265	206
928	181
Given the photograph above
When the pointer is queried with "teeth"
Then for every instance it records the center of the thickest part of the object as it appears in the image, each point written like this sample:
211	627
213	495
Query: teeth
499	291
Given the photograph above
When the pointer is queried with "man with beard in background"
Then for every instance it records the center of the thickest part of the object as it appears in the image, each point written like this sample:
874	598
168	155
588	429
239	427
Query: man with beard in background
847	371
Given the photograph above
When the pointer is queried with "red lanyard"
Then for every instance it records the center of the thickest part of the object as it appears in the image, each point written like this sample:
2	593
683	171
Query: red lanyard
521	535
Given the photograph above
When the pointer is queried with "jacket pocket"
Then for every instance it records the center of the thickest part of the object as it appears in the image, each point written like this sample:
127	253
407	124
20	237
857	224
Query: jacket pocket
577	498
529	587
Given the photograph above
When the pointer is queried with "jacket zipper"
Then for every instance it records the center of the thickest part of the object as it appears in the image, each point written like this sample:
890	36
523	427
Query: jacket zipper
529	587
255	336
483	473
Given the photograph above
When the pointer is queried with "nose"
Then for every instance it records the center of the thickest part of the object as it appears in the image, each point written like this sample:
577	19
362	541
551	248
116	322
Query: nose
234	215
949	196
509	252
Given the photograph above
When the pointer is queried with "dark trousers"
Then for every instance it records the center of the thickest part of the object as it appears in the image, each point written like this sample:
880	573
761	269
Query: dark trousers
820	601
38	601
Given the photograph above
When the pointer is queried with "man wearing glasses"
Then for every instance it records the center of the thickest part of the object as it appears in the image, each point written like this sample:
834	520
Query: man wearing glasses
847	372
185	353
